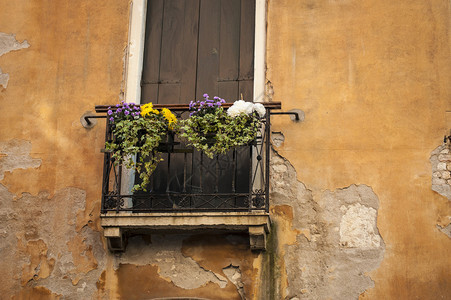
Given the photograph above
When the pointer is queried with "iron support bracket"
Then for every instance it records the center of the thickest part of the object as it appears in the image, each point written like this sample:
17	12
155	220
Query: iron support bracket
296	115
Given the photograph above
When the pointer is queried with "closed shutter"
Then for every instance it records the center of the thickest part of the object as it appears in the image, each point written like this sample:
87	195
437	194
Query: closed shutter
198	46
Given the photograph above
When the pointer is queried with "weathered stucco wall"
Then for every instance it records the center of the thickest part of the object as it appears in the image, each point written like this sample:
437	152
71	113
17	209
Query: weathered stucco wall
373	80
359	189
58	59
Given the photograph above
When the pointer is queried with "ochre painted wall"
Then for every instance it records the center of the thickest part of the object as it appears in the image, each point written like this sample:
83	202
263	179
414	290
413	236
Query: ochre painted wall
52	165
58	59
373	78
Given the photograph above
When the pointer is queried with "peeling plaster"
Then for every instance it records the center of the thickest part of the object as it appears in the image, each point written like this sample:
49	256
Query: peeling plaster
441	180
277	139
446	229
233	273
441	170
15	154
40	237
39	234
4	78
336	241
269	94
9	43
358	227
165	252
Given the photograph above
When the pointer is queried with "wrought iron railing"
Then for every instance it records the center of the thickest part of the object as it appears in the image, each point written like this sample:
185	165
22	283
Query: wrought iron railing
187	180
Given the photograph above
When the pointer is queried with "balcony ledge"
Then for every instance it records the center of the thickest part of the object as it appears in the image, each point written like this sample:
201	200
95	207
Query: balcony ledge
117	224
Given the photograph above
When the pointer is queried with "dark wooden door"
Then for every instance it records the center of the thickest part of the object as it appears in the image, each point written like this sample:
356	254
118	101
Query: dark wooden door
194	47
198	46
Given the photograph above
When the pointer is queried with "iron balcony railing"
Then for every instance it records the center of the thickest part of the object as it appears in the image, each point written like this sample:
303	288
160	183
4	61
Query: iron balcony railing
188	181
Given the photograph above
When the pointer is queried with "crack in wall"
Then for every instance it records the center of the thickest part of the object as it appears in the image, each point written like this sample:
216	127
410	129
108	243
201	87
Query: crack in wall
336	239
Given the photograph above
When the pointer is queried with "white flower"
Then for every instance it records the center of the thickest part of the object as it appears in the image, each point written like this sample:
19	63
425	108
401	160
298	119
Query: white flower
240	107
260	109
249	107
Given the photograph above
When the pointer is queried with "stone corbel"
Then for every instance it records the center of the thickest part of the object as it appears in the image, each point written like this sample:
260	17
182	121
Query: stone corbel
257	237
115	238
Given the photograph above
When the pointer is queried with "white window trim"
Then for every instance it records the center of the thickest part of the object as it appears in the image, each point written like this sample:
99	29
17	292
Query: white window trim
135	50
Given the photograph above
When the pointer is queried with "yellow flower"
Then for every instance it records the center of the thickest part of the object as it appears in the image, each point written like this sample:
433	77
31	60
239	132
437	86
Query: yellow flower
147	109
169	116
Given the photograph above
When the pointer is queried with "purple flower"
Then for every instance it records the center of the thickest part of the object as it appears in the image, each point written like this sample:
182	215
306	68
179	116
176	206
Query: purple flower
117	105
132	103
111	119
126	112
216	98
110	112
210	104
205	95
118	110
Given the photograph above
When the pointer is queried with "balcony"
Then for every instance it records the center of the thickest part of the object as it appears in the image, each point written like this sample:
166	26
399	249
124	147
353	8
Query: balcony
189	191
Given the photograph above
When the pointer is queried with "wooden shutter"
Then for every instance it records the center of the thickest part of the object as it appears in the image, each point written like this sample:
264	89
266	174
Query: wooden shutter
198	46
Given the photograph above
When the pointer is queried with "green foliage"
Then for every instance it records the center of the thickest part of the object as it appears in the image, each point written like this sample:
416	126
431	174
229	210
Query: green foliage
138	136
216	133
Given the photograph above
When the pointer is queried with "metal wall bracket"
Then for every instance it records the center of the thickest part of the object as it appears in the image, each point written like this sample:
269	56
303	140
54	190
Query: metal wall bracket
296	115
86	122
447	138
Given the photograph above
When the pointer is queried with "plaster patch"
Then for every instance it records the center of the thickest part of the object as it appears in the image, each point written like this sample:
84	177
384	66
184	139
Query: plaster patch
38	231
358	227
269	94
277	138
165	252
9	43
4	78
446	230
15	154
445	226
233	273
39	266
344	243
441	170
